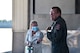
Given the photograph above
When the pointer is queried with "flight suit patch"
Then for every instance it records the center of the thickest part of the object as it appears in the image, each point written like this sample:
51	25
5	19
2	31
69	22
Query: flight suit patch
57	26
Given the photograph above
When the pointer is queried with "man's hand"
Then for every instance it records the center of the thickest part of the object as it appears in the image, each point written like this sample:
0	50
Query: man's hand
33	33
48	29
39	41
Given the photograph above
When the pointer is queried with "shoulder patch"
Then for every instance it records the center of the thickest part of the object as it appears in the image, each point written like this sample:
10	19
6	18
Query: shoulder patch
57	26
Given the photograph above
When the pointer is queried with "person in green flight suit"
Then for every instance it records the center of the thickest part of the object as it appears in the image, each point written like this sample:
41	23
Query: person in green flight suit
57	32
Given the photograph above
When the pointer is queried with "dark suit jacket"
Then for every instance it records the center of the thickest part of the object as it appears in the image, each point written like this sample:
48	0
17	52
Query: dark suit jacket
58	36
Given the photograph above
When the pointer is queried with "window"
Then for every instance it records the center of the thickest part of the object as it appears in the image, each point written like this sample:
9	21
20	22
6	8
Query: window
5	26
5	13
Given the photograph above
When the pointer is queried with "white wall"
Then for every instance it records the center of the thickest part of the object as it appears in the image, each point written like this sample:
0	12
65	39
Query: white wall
72	20
43	6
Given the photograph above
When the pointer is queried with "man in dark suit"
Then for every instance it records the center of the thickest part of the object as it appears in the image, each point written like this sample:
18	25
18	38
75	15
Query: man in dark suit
57	32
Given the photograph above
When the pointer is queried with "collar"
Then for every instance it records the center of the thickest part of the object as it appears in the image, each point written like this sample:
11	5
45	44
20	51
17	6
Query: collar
57	18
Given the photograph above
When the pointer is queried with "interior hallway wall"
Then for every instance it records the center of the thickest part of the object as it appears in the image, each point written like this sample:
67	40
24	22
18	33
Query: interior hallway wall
72	21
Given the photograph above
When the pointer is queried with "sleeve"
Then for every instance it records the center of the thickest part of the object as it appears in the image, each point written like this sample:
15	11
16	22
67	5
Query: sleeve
49	34
40	38
26	38
41	35
56	33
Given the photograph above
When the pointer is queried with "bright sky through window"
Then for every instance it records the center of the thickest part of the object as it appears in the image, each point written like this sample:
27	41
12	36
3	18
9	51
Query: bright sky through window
5	9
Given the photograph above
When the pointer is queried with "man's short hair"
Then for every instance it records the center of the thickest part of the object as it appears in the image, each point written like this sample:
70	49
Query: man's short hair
58	9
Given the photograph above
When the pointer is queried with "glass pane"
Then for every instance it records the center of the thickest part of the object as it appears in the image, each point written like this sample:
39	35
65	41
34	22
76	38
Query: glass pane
5	25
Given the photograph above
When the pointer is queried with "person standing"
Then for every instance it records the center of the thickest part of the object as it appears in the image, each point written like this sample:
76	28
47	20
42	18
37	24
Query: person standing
57	32
34	37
